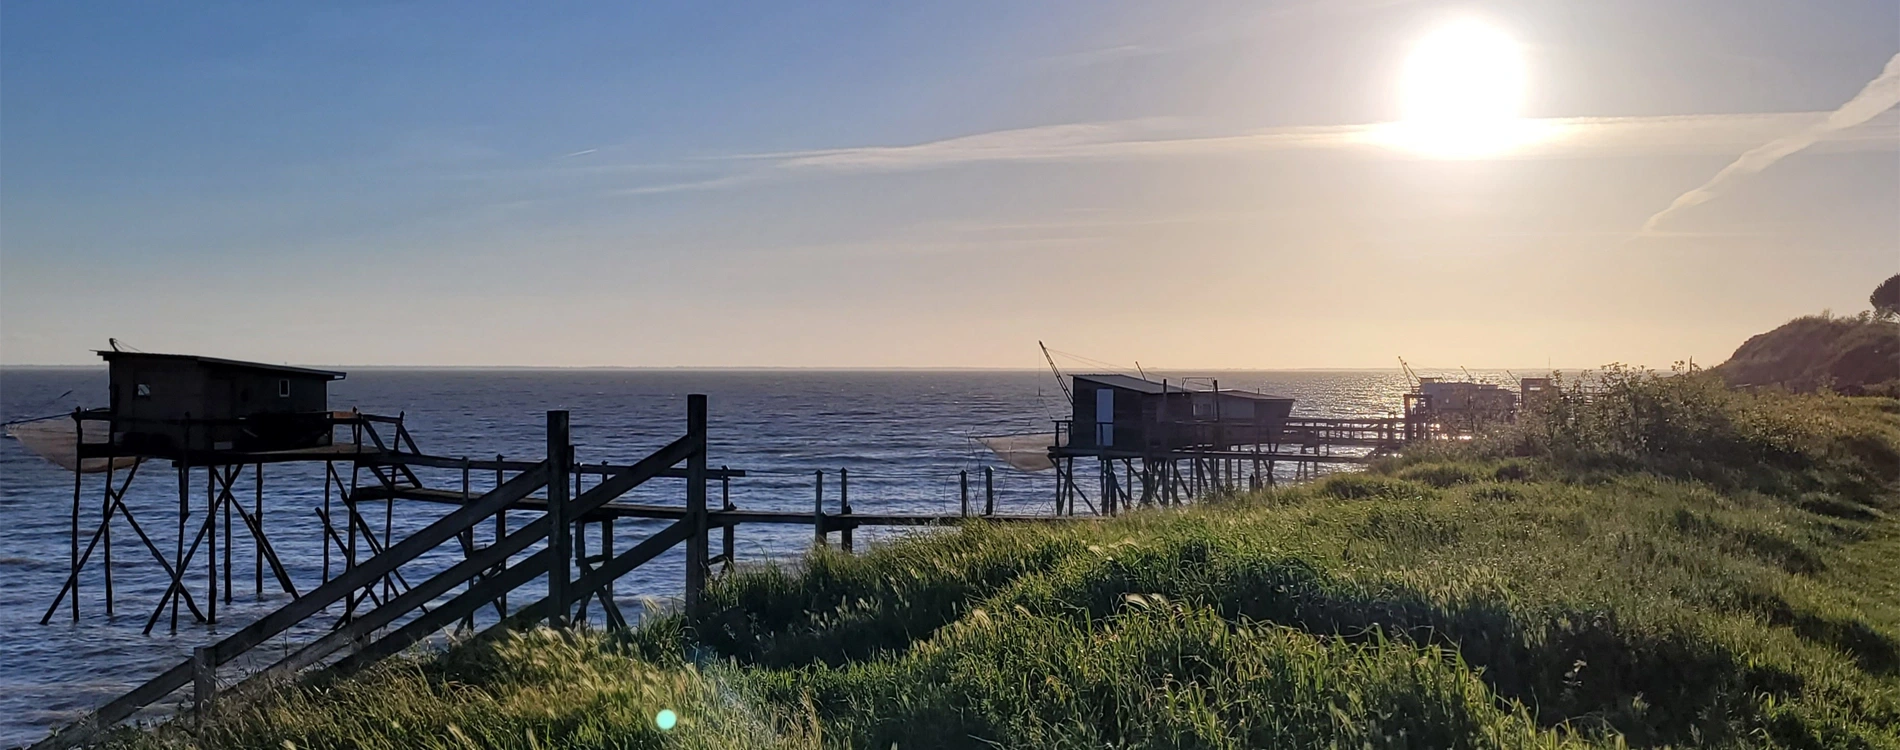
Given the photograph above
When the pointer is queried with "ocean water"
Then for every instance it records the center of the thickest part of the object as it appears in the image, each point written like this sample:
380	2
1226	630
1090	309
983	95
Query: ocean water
904	436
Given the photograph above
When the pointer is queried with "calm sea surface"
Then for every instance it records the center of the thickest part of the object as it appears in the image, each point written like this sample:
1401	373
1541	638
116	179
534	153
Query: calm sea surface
904	436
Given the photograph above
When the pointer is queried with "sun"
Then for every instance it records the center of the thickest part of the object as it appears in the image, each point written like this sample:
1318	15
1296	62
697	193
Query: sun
1462	93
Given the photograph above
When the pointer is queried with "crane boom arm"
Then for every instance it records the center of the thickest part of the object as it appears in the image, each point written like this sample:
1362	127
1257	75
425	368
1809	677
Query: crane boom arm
1066	393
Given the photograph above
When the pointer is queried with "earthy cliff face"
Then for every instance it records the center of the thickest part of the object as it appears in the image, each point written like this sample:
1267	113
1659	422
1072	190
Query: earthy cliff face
1854	356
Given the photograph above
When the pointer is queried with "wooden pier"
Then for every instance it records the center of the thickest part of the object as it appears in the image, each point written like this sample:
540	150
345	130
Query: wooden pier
1152	444
377	610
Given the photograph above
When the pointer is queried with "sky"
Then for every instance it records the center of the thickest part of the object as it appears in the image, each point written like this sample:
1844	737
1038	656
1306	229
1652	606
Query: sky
861	184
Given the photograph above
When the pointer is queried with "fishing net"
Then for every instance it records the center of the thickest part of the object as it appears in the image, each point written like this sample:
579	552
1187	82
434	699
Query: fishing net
53	439
1023	452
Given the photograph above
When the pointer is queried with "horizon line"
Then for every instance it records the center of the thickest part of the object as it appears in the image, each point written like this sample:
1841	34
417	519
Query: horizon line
837	368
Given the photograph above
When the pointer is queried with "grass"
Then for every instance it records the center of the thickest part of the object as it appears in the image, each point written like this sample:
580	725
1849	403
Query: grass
1857	355
1665	563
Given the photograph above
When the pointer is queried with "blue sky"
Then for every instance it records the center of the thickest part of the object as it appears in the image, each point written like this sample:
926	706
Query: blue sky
876	184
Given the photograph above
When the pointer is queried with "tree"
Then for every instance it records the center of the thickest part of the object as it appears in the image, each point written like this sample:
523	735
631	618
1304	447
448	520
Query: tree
1886	297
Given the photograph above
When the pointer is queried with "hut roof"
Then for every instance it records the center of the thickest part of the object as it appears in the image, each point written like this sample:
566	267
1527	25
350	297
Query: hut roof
109	355
1127	383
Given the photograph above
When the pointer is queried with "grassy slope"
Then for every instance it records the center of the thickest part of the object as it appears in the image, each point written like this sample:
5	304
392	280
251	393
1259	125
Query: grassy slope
1854	355
1671	563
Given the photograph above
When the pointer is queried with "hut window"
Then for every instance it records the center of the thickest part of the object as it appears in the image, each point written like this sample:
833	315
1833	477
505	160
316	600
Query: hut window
283	388
142	391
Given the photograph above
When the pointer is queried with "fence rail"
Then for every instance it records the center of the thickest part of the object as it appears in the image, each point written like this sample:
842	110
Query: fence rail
487	572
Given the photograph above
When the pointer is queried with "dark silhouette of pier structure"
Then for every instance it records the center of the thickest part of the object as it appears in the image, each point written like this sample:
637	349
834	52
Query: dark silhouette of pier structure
217	420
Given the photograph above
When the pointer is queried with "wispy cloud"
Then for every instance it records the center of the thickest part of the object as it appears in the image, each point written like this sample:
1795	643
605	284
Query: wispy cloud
1137	139
1169	138
1878	96
710	183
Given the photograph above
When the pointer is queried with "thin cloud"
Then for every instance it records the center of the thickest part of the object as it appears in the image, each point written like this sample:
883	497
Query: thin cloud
1878	96
1138	139
1166	138
711	183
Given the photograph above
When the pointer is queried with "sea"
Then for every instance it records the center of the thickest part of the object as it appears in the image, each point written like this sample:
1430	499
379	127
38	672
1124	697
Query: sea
905	436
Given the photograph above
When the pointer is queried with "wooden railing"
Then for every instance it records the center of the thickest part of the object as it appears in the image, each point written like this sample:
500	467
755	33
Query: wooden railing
480	570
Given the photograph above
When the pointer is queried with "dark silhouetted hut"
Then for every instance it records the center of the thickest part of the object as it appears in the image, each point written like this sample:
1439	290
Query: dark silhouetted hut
164	404
1122	413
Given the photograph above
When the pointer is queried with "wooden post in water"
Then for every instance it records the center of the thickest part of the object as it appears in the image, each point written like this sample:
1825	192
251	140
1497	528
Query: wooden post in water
329	470
818	509
561	559
607	547
578	541
211	558
204	680
989	491
468	543
963	490
725	504
844	508
105	528
501	530
257	546
79	442
228	544
696	539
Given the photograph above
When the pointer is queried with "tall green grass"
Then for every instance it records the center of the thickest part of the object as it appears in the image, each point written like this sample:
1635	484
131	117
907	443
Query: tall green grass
1663	563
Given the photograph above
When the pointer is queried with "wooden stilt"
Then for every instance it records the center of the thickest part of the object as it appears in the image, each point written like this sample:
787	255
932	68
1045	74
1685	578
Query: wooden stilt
184	509
844	509
560	571
696	540
501	530
329	470
257	546
468	544
211	559
963	492
105	530
72	555
989	490
727	530
818	509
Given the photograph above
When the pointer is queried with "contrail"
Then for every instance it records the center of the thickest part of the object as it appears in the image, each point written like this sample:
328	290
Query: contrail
1879	95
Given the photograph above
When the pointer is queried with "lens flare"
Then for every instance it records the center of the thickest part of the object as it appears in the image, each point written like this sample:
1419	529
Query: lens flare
666	720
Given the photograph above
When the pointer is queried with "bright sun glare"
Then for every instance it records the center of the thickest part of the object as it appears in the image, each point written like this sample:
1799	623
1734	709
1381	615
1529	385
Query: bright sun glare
1463	91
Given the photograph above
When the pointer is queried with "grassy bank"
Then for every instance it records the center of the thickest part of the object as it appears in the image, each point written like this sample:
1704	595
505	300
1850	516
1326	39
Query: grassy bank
1856	355
1670	563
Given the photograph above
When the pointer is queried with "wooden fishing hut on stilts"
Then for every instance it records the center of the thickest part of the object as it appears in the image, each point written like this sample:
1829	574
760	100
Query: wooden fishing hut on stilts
1163	443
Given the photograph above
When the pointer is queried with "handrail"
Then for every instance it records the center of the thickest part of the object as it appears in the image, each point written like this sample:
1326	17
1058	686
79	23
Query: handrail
469	568
482	570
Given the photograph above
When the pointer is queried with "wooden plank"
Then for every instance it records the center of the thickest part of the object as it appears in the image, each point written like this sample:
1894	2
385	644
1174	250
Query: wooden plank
1197	455
444	462
617	484
484	560
620	565
463	604
437	585
411	547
